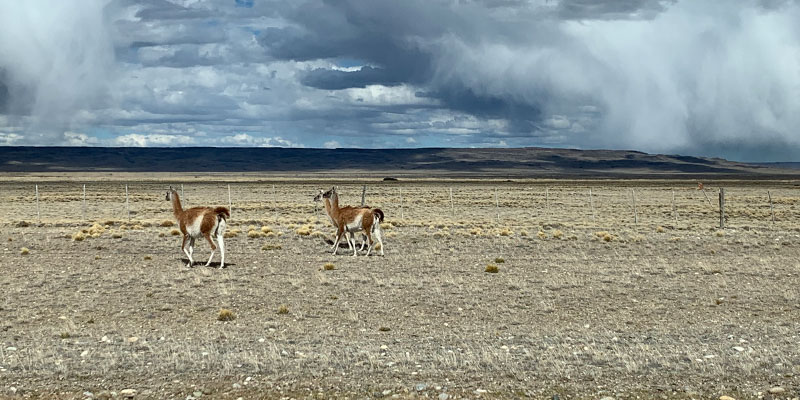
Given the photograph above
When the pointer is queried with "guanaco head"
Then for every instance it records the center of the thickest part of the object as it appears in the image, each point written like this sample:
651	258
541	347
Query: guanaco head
169	193
328	194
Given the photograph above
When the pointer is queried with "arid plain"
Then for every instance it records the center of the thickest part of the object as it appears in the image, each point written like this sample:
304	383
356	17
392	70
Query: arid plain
593	297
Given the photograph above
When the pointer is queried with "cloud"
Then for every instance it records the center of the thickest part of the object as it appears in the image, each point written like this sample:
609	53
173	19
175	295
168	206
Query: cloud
139	140
698	77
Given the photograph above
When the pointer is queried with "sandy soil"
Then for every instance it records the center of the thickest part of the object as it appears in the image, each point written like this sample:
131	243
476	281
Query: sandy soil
585	304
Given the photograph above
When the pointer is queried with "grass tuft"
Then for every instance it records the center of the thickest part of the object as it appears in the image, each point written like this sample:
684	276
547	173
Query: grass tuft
329	267
166	223
24	251
78	236
492	269
225	315
267	247
499	260
175	232
558	234
283	309
541	235
660	229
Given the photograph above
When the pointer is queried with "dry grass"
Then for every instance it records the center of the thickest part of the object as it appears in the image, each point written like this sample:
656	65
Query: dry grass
328	267
166	223
491	268
175	232
225	315
283	309
24	251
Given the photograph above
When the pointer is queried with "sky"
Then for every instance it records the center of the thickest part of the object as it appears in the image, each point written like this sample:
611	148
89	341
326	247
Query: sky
701	77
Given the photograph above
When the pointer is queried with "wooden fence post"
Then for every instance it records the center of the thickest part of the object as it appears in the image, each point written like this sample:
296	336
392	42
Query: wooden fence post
230	200
591	204
275	202
721	208
547	200
402	215
38	214
635	213
497	205
452	207
363	195
771	208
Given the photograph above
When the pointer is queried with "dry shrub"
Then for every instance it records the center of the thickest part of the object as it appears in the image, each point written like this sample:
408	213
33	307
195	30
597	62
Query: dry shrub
304	230
226	315
387	225
524	233
660	229
499	260
24	251
175	232
232	233
271	247
166	223
116	235
476	231
266	229
162	234
78	236
506	232
253	234
558	234
605	236
329	267
147	258
96	230
720	233
441	233
317	234
541	235
283	309
492	269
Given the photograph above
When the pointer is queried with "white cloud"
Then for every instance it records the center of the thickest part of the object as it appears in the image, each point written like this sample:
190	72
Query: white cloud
243	139
139	140
331	144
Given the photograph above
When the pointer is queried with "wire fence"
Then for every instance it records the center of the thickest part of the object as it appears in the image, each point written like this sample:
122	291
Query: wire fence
421	203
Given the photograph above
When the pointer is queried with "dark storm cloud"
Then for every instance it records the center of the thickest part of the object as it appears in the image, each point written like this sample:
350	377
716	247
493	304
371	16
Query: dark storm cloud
700	77
615	9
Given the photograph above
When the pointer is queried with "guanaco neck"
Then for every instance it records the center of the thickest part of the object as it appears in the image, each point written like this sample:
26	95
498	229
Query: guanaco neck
333	205
176	205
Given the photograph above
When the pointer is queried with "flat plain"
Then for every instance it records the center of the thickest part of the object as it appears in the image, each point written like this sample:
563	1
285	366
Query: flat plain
632	291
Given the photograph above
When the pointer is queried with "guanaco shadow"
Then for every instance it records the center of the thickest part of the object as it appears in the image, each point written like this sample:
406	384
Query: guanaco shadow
213	264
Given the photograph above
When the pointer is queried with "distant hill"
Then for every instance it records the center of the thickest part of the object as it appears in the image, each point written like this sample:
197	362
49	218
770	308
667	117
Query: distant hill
516	162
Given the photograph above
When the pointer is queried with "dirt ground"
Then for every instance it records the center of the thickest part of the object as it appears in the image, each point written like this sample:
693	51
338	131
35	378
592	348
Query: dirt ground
591	299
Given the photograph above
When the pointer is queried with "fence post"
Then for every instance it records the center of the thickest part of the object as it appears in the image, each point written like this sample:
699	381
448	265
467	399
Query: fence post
402	215
230	202
635	213
771	208
452	208
721	208
83	207
127	204
38	215
497	205
275	202
591	203
707	199
363	195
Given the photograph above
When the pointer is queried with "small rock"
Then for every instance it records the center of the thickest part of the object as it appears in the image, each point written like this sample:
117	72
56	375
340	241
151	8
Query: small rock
128	393
197	393
261	340
726	398
777	390
384	347
12	390
420	387
248	379
443	396
104	395
738	348
479	391
236	386
133	339
387	392
11	348
88	394
190	397
607	398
